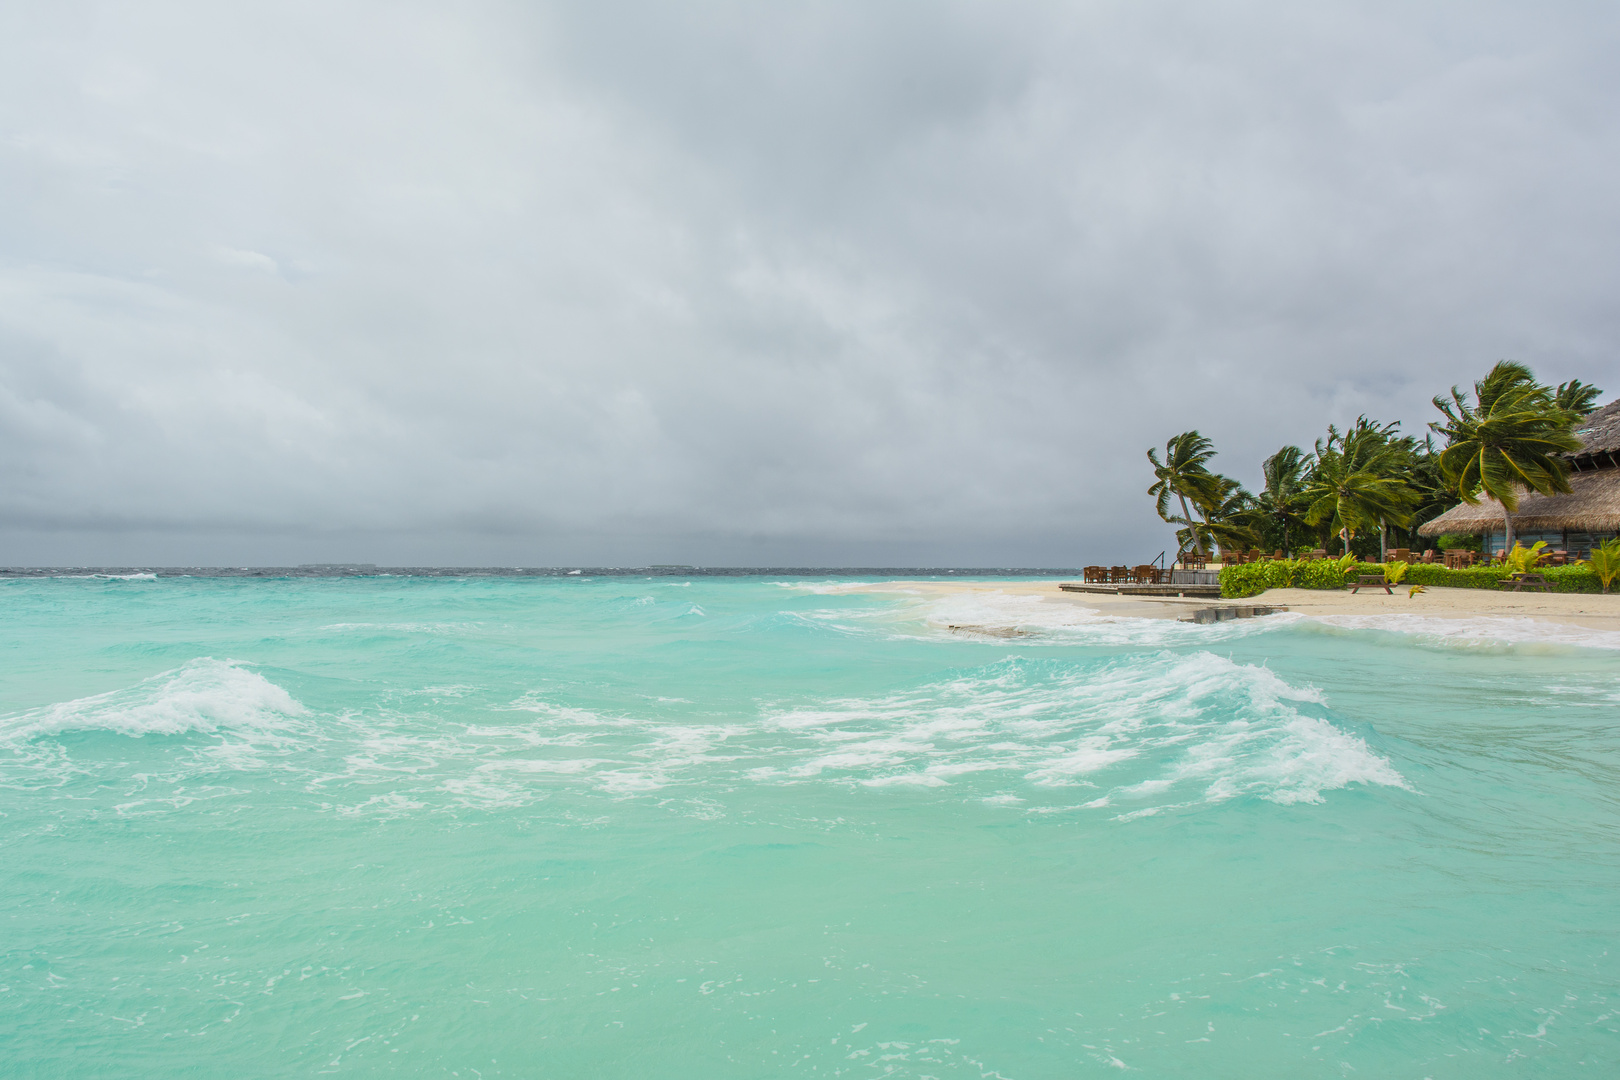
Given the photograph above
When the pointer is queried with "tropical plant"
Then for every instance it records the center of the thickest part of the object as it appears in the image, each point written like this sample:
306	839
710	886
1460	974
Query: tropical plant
1355	483
1282	503
1229	515
1434	496
1577	398
1605	562
1346	561
1395	572
1521	558
1184	474
1414	590
1462	541
1508	441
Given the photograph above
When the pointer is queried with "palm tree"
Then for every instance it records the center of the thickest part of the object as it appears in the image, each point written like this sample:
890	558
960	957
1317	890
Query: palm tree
1284	473
1352	485
1577	398
1183	474
1230	515
1370	450
1509	441
1423	476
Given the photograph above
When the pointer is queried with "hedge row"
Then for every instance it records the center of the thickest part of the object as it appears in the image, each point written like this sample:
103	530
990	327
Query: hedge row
1252	579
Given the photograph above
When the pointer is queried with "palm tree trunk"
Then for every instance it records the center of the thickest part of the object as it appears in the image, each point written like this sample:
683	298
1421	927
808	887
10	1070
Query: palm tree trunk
1383	540
1186	512
1507	530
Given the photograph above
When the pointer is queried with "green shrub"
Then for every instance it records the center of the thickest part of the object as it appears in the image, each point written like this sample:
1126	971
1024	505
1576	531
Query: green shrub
1319	574
1252	579
1452	541
1475	577
1579	578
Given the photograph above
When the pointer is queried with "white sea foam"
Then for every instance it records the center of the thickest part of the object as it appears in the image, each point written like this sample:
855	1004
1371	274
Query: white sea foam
1164	729
994	613
1480	630
111	577
1021	620
1131	735
204	695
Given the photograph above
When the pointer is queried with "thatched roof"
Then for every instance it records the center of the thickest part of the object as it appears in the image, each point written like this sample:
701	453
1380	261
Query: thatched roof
1592	505
1600	431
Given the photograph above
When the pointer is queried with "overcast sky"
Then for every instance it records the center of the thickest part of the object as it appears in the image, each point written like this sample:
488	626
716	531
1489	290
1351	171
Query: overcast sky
742	283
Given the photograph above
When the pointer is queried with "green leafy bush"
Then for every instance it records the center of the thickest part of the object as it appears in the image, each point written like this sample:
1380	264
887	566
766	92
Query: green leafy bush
1252	579
1319	574
1452	541
1578	578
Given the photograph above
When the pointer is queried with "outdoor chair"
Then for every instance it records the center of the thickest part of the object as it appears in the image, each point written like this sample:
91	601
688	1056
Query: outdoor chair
1428	556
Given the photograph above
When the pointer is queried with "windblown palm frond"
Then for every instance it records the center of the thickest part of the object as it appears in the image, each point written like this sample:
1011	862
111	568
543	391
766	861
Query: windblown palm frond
1577	398
1351	496
1183	475
1509	441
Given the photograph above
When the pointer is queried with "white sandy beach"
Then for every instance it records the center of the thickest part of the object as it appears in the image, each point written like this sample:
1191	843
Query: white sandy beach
1589	611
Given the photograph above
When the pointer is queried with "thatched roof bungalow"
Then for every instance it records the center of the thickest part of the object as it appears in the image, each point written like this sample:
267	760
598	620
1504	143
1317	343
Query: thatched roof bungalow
1588	515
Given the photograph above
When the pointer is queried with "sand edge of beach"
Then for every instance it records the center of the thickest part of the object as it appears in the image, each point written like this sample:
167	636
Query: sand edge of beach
1590	611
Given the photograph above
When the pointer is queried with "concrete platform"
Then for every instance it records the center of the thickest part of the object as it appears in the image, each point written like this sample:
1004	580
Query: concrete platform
1231	611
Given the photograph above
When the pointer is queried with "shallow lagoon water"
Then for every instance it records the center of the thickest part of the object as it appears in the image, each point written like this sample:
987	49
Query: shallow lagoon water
744	827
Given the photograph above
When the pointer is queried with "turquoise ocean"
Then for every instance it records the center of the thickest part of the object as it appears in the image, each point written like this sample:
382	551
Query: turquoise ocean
755	826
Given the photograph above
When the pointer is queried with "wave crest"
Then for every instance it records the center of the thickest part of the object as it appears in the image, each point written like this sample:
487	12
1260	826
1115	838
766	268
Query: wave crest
203	695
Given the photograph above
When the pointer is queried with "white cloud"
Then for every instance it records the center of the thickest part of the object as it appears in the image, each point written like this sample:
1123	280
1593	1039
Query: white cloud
890	283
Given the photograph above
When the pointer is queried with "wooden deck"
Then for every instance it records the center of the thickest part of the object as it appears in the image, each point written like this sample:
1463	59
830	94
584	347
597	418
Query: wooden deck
1143	590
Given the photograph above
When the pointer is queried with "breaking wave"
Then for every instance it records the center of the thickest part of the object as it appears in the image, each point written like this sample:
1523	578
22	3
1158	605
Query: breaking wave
204	695
1131	735
1140	731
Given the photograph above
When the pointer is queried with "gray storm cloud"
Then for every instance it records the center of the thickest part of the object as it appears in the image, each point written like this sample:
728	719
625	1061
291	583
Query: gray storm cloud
826	283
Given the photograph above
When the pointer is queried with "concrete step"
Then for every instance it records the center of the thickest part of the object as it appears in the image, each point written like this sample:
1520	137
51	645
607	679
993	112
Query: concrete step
1230	611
